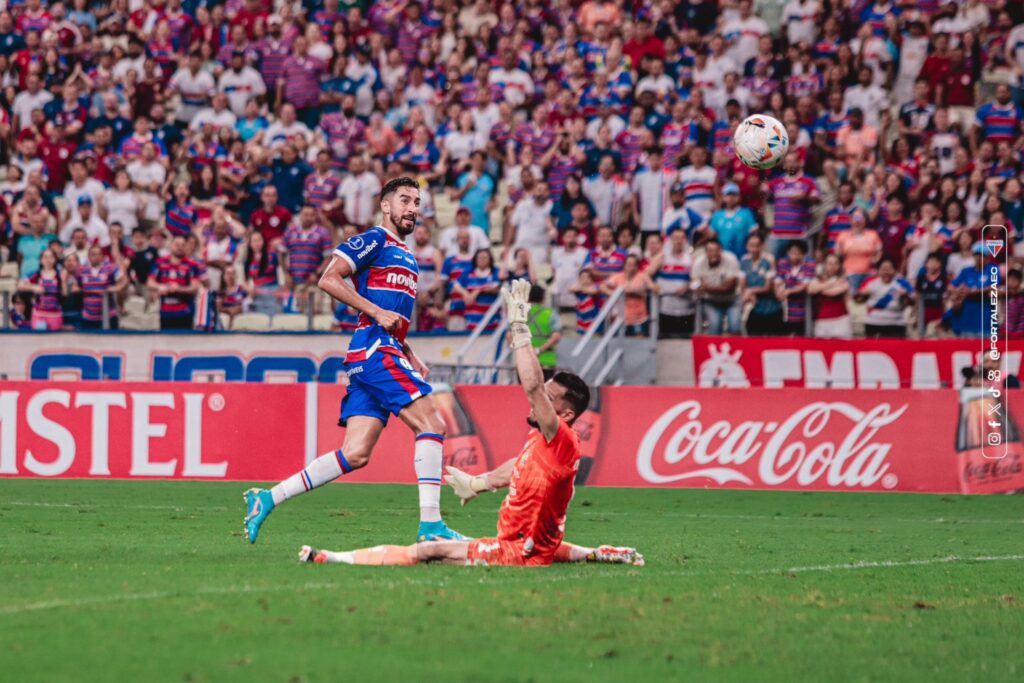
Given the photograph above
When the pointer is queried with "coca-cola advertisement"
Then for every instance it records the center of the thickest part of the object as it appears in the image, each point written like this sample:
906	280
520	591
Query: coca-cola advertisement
782	439
774	363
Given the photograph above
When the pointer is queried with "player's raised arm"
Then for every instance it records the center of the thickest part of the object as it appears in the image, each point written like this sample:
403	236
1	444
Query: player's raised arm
517	308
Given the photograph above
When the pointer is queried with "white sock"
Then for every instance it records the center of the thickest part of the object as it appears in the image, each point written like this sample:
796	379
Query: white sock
429	457
338	557
579	553
327	467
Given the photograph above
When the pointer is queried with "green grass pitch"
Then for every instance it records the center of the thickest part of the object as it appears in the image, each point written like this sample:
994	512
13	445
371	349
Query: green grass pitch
153	581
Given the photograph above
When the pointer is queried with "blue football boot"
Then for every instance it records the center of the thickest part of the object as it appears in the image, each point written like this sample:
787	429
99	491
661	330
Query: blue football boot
258	506
438	531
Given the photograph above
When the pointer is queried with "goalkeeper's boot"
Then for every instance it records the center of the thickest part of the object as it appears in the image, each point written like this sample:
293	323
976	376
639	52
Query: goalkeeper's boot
311	554
438	531
609	554
258	506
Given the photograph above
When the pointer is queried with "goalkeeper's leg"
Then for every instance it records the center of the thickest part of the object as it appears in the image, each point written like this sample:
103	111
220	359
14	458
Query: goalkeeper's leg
603	554
448	552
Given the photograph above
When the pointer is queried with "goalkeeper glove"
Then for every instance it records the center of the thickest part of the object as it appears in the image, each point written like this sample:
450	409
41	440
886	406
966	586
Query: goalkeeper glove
517	309
466	487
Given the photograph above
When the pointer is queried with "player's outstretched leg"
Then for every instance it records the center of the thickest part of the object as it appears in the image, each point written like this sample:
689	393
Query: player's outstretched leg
397	555
603	554
360	437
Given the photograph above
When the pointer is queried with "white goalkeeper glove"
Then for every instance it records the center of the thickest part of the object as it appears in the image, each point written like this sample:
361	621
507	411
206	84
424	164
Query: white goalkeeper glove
466	486
517	309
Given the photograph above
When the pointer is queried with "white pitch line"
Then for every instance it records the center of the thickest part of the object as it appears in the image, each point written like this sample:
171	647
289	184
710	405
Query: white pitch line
633	572
881	564
175	508
157	595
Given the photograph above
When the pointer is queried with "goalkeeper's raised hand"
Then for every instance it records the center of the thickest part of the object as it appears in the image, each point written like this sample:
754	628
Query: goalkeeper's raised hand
516	296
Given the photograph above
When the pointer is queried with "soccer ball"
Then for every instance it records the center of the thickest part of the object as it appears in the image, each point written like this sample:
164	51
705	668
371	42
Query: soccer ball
761	141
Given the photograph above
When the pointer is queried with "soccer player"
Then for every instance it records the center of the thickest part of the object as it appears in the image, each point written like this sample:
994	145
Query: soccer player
531	522
385	376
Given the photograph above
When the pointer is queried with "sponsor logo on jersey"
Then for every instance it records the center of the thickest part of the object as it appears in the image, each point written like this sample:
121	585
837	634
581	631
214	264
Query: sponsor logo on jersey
408	281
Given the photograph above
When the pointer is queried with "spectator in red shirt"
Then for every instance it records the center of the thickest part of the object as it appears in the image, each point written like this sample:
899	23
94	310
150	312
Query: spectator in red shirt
644	44
247	17
270	219
956	91
56	153
937	64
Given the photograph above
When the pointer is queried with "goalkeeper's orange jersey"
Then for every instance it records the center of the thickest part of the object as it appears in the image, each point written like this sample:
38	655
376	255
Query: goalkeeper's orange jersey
540	491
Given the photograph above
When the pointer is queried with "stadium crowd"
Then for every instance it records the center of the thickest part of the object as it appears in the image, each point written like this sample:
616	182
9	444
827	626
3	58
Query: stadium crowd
207	157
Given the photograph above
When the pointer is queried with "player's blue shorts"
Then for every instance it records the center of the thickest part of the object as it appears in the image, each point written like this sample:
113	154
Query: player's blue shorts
383	383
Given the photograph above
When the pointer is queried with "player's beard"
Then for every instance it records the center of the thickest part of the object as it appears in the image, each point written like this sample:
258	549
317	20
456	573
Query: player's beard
406	224
532	422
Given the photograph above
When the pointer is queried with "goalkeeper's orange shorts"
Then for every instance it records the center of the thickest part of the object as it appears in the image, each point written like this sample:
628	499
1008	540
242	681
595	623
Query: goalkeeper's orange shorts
494	551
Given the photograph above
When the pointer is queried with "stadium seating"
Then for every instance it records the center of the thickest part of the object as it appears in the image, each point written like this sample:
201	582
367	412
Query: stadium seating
251	322
289	322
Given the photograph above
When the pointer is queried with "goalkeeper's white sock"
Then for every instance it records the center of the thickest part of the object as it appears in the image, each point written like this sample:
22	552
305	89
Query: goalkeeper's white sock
568	552
343	557
327	467
429	456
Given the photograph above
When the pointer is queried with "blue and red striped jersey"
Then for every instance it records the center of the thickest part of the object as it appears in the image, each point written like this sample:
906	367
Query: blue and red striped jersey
605	263
792	276
451	270
385	273
628	143
475	281
587	308
792	216
320	190
837	221
94	282
181	273
999	122
49	300
180	218
306	250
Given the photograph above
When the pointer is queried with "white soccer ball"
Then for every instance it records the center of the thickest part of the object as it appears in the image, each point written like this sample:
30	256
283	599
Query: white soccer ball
761	141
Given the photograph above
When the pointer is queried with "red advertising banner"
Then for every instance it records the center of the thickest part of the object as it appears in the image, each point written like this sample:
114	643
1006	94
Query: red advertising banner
150	430
775	362
793	439
784	439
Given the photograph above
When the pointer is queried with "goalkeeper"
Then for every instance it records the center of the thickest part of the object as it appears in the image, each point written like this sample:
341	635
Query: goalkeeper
531	521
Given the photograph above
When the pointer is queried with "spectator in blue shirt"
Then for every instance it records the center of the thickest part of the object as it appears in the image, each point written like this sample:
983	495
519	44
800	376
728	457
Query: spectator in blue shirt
970	310
289	177
475	191
733	223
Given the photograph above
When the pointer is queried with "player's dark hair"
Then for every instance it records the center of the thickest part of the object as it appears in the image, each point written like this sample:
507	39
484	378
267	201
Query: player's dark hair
536	294
392	186
577	393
